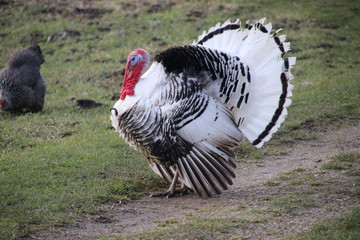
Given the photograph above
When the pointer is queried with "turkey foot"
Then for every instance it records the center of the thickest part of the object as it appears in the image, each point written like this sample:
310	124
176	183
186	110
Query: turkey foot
171	192
168	194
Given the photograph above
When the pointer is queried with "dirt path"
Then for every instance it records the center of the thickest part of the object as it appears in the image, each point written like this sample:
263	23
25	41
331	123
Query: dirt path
262	188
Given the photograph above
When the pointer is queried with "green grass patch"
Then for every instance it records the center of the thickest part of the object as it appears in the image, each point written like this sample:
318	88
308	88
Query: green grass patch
287	204
355	192
199	228
350	157
342	161
316	183
295	182
347	227
247	151
240	207
295	170
186	207
255	219
45	185
266	198
194	229
271	183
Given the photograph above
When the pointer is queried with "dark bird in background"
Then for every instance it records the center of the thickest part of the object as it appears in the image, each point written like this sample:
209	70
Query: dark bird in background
197	102
22	88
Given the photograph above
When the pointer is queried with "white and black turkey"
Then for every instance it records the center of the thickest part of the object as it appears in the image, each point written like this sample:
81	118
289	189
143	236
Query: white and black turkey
197	102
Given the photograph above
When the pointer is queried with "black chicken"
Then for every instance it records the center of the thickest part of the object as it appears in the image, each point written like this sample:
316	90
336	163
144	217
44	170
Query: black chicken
22	88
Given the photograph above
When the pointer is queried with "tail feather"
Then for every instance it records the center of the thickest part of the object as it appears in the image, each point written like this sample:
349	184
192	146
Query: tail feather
162	171
264	97
208	174
193	178
184	175
212	174
204	179
224	171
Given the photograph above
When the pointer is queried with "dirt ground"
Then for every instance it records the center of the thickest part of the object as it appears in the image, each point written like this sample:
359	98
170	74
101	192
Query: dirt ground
251	190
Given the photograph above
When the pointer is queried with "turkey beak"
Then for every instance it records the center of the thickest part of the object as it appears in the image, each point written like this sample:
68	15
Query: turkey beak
129	70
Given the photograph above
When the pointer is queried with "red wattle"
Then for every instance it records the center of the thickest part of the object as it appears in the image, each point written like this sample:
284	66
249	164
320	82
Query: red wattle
126	91
130	92
122	95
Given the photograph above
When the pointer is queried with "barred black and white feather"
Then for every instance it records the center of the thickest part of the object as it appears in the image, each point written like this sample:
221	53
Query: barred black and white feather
197	102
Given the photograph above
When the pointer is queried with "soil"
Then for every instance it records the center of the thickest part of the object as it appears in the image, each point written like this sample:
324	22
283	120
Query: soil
87	103
251	190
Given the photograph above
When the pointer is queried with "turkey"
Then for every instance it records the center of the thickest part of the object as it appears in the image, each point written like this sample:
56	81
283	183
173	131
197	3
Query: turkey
197	102
22	88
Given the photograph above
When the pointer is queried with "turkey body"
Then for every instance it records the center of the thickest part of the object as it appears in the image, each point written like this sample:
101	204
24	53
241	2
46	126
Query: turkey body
22	87
197	102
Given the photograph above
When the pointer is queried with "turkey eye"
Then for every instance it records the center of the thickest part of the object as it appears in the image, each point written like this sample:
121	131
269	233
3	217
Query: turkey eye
134	60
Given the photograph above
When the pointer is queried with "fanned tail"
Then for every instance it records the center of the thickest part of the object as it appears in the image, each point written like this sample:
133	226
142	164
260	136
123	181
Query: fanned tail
267	88
205	169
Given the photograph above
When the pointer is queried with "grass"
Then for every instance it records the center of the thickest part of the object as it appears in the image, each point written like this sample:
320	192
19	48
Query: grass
290	201
342	161
58	179
347	227
287	204
199	228
65	161
271	183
